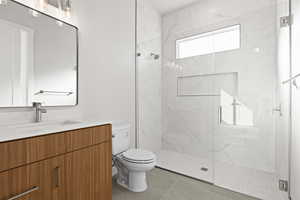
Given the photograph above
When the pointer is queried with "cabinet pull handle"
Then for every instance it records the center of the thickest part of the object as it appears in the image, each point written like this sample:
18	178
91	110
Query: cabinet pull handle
24	193
56	177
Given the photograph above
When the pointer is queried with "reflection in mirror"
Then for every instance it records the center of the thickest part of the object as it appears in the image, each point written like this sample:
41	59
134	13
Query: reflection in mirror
38	58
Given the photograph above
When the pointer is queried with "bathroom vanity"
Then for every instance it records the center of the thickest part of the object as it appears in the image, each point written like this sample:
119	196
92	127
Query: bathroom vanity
39	67
70	163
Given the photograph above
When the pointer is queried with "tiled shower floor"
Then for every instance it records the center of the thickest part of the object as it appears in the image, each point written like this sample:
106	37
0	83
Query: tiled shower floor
252	182
186	165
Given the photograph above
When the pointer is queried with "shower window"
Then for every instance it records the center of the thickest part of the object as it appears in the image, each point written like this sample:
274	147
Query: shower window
211	42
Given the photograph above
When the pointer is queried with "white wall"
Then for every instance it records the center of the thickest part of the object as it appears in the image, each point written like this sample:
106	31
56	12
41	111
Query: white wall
149	76
106	64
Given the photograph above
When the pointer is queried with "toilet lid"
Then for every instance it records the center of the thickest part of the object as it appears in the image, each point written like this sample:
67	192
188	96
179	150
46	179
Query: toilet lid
139	155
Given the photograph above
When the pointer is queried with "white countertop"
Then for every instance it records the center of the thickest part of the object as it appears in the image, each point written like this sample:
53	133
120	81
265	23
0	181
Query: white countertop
22	131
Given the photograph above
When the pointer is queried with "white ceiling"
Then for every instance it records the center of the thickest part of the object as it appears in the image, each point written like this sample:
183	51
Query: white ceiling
166	6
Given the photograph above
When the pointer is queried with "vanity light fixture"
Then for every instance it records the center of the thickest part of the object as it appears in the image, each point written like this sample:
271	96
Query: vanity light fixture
68	8
41	4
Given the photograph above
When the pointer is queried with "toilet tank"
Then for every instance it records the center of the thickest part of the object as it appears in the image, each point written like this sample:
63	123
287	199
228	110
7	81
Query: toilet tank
120	138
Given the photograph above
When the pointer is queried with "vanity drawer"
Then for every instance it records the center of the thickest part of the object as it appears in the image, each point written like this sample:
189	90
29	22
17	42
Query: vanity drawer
82	138
21	152
12	154
102	134
43	147
79	139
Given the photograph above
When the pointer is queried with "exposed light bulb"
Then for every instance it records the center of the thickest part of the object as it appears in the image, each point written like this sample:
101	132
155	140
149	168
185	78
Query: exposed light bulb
42	4
68	4
68	13
68	8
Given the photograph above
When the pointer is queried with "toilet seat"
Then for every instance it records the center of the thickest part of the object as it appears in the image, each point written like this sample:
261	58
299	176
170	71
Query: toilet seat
139	156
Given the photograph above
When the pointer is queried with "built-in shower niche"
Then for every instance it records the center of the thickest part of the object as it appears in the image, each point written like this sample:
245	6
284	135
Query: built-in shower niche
207	84
223	86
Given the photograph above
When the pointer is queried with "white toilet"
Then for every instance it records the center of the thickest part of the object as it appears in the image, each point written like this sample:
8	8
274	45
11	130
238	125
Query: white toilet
132	164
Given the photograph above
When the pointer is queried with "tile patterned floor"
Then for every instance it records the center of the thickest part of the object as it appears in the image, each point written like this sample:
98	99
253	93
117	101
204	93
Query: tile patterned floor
164	185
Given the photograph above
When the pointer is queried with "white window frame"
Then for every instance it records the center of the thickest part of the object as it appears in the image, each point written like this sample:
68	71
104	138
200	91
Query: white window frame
208	34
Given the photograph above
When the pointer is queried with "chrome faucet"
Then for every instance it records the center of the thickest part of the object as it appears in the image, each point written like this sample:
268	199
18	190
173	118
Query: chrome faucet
38	111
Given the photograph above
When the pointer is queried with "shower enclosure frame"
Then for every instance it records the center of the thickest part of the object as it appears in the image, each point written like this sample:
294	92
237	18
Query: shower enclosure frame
136	79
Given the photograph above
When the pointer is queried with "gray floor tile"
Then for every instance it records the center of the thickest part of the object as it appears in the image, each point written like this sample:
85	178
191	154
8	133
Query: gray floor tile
164	185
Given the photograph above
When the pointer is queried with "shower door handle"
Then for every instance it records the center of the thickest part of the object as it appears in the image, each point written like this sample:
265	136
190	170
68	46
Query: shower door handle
278	109
293	80
220	114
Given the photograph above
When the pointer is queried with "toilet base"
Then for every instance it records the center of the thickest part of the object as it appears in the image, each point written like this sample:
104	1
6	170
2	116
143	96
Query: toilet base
137	182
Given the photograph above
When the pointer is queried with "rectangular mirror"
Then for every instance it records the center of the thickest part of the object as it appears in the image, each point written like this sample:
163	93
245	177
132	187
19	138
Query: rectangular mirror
38	58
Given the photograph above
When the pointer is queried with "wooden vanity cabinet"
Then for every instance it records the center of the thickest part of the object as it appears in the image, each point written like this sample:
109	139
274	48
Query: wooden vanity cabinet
41	180
87	176
78	167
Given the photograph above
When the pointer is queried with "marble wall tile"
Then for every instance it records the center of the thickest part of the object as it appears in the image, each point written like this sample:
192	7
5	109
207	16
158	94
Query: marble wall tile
190	124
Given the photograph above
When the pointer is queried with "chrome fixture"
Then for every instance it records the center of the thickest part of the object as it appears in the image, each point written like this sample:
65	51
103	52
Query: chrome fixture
285	21
283	185
64	6
291	79
278	109
155	56
295	84
38	111
67	8
294	81
53	93
24	193
68	5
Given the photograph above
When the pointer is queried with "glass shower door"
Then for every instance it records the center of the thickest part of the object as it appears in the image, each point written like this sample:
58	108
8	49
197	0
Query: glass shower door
252	128
211	103
295	84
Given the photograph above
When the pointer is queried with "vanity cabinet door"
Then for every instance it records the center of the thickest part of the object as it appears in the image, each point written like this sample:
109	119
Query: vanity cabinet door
14	182
88	173
49	177
41	180
102	157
